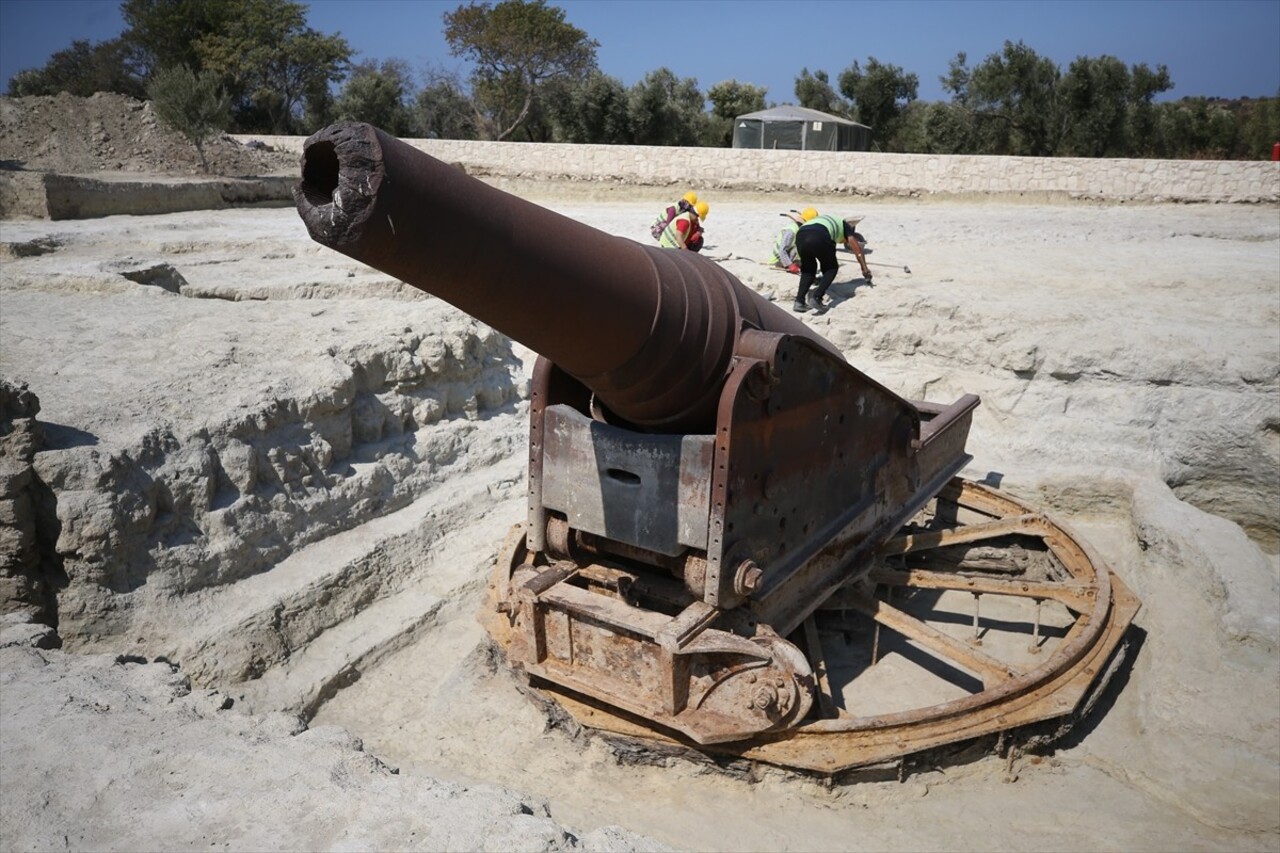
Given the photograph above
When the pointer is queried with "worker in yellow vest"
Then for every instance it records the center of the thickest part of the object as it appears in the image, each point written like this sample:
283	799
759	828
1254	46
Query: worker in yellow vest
685	231
683	205
784	246
816	242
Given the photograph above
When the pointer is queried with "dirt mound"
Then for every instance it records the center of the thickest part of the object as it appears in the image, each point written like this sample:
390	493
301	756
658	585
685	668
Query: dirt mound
107	132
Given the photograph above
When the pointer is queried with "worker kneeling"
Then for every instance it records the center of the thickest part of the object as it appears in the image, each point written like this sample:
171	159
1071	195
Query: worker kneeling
685	231
784	245
816	244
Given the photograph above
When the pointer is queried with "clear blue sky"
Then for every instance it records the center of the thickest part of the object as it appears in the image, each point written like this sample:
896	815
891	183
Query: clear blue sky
1226	48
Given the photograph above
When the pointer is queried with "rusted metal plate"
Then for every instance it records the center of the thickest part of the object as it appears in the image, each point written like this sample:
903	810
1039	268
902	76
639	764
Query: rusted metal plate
644	489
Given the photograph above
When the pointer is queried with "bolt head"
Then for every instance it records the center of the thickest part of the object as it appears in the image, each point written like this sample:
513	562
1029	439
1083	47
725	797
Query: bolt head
764	698
747	579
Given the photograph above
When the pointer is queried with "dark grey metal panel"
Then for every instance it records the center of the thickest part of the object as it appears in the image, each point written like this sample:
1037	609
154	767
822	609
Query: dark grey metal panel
647	490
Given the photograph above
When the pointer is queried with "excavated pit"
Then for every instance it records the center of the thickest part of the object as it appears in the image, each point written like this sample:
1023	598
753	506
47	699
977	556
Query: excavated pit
294	492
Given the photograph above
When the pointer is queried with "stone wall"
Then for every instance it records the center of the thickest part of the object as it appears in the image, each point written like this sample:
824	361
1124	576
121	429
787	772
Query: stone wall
862	173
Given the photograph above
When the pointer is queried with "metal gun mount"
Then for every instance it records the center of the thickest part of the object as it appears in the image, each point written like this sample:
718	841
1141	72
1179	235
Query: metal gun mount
706	473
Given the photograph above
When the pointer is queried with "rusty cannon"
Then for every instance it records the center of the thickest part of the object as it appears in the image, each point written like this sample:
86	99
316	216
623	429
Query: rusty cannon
721	508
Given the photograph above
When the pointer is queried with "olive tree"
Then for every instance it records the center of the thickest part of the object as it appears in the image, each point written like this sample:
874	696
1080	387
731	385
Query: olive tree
593	110
81	69
666	110
271	64
378	93
814	92
192	104
517	46
730	99
1108	106
442	109
1012	99
879	94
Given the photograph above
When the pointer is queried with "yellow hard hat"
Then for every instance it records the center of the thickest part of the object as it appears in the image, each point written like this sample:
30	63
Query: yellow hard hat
691	197
703	209
808	213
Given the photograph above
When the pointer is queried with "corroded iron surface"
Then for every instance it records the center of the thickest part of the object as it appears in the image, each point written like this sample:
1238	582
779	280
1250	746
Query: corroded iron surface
906	662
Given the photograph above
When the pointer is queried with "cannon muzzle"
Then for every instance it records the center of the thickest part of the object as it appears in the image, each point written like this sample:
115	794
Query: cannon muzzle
651	332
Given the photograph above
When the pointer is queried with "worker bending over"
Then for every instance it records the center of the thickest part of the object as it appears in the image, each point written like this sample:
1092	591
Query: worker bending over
816	242
682	205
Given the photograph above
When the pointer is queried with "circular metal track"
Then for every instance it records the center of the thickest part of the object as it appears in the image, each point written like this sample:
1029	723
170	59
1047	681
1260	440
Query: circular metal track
981	616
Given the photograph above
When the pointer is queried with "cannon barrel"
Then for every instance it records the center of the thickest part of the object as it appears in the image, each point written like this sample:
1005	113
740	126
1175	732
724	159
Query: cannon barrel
651	332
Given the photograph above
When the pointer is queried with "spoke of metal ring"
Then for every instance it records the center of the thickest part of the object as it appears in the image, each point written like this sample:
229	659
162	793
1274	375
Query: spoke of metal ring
990	670
1075	595
1029	523
977	637
826	704
875	643
1035	631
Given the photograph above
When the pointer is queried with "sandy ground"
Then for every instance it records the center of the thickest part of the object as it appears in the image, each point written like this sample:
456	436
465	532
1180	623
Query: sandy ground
1128	360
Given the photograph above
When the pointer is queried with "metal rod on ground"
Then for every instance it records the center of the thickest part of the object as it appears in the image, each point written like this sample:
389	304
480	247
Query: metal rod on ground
905	268
735	257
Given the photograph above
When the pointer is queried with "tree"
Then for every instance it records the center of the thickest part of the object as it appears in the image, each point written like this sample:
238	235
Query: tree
1259	127
167	33
1197	129
517	46
729	100
594	110
1095	96
81	69
814	92
319	106
933	128
270	62
984	136
192	104
378	94
1144	85
442	110
665	110
1109	110
1021	103
272	58
879	95
1014	99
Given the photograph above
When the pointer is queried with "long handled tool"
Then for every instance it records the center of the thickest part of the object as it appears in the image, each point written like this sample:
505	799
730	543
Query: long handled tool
905	268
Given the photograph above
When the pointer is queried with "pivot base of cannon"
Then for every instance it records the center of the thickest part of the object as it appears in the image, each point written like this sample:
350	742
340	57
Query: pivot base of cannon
982	617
